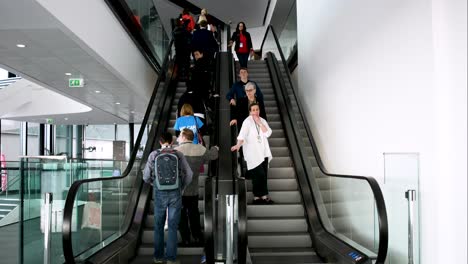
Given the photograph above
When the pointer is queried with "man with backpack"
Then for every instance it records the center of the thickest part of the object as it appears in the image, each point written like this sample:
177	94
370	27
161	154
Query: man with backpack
169	172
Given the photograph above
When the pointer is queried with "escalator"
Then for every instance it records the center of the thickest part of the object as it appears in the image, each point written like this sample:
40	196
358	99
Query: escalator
185	254
307	223
130	238
317	217
277	233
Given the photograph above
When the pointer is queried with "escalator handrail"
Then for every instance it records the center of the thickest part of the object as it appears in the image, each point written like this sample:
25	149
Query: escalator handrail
242	240
213	171
240	183
69	202
208	218
377	192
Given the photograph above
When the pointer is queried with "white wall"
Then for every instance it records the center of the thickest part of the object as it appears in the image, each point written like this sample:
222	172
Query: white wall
390	76
3	74
98	31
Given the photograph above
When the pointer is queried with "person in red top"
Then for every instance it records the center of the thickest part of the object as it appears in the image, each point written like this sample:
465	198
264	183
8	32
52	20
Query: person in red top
136	19
243	45
188	20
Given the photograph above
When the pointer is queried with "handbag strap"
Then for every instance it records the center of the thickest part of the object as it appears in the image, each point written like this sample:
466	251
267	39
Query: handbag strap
196	124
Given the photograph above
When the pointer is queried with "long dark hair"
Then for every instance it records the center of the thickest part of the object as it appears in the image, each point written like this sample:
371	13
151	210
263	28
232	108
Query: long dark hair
237	28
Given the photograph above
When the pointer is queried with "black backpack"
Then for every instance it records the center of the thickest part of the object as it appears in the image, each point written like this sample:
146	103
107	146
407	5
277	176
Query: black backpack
166	170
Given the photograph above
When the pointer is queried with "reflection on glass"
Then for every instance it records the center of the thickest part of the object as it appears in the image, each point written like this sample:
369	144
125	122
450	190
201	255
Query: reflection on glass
287	37
146	17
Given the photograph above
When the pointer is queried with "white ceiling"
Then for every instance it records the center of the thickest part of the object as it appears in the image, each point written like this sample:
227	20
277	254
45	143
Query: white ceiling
50	53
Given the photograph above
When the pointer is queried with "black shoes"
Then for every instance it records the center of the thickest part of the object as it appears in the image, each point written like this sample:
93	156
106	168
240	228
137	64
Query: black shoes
263	201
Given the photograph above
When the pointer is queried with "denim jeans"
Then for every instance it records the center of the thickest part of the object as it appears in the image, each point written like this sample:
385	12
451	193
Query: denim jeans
173	202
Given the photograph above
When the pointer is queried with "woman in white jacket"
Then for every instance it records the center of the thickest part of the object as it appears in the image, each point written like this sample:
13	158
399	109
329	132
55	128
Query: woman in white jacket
253	137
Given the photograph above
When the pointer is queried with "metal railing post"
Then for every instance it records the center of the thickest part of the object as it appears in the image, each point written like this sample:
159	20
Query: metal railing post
411	197
47	226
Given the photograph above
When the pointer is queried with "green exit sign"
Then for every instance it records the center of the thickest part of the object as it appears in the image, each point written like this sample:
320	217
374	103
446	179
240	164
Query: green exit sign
75	82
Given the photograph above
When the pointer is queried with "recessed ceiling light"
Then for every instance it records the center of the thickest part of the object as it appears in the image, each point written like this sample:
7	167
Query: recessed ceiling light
117	103
68	74
97	91
20	45
132	112
66	118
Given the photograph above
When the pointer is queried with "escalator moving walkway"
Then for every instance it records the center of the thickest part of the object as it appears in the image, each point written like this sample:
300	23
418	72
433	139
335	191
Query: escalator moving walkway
277	233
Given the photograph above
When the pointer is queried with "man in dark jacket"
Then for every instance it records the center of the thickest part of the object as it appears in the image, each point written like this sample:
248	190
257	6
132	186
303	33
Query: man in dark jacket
203	40
182	40
201	75
238	88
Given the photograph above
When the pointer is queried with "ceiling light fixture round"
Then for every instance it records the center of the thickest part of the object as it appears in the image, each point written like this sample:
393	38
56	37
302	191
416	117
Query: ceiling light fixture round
20	45
117	103
97	91
68	74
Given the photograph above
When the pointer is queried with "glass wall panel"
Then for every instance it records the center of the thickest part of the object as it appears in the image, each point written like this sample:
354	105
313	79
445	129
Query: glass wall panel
99	141
141	148
64	140
147	18
11	144
33	139
123	133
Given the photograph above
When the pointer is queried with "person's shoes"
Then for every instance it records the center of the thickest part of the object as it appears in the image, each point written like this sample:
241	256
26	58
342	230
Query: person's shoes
268	201
258	201
198	242
184	244
158	261
203	259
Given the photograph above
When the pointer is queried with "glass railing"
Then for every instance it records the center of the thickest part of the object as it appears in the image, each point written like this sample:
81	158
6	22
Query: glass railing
147	19
287	37
351	208
24	184
402	195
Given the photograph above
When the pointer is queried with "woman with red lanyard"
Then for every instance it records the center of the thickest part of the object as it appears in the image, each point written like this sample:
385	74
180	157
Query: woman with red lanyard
243	46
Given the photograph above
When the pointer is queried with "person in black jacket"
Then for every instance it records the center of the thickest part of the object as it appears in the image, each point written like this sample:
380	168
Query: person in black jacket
243	45
203	40
241	111
200	75
182	40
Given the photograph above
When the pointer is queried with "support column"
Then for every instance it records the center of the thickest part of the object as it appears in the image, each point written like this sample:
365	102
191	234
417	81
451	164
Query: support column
131	127
24	138
79	141
41	139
